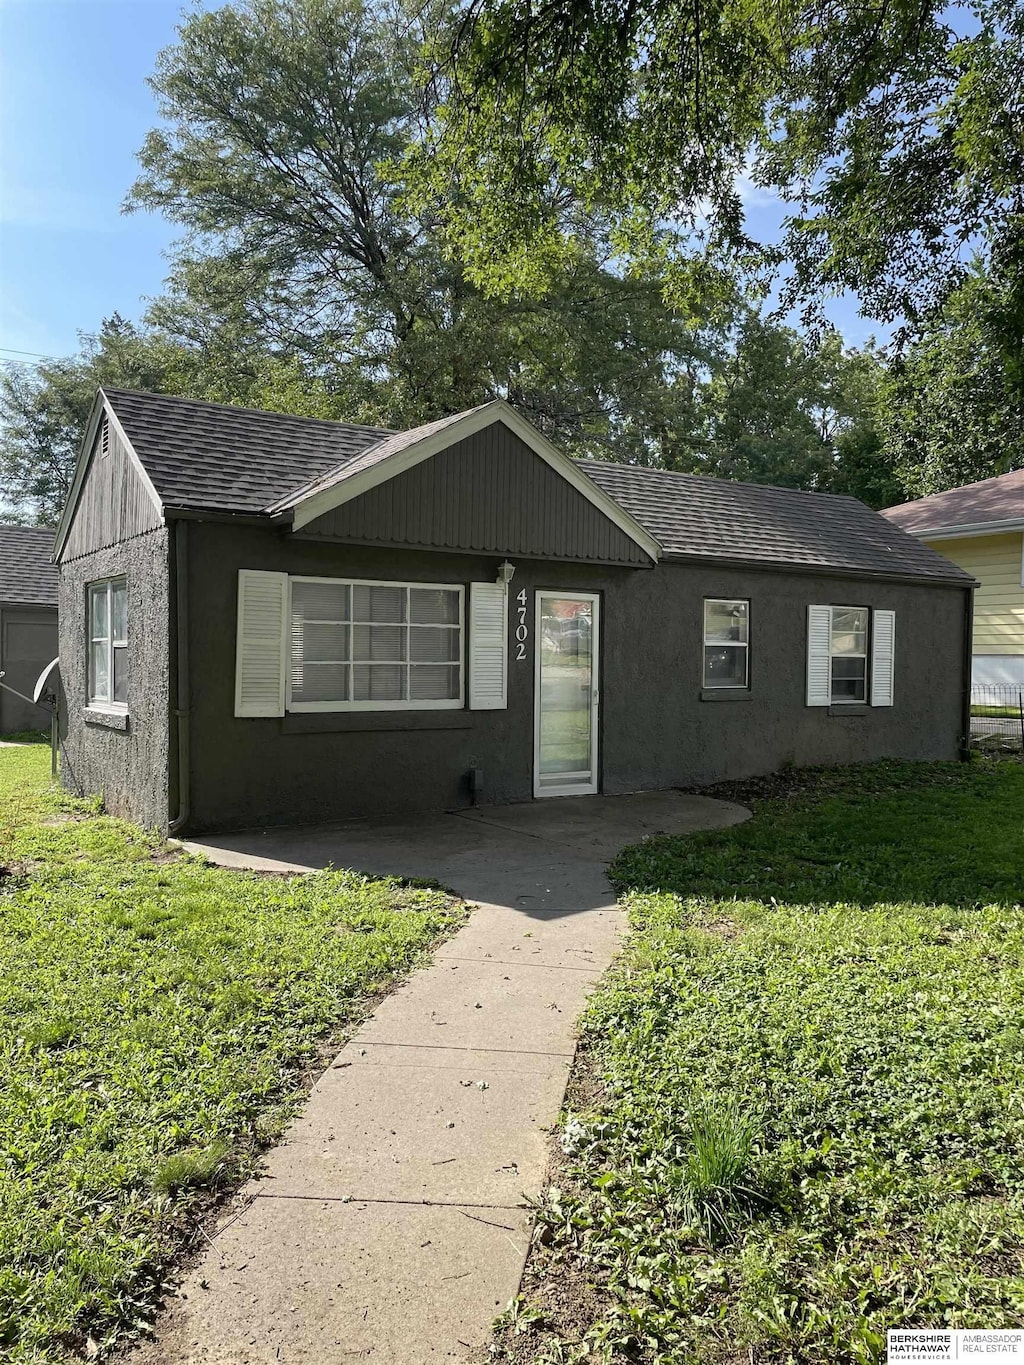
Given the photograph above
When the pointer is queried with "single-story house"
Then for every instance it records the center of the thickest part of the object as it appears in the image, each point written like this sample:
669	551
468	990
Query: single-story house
28	622
272	619
980	527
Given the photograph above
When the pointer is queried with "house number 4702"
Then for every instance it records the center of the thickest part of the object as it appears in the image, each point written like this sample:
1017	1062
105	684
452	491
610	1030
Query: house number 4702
522	630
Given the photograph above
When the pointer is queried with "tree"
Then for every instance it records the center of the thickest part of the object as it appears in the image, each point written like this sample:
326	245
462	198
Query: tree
895	129
44	410
952	407
280	120
781	409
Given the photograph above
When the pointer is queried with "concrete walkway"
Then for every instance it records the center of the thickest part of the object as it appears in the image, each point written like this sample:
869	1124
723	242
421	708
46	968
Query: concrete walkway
393	1221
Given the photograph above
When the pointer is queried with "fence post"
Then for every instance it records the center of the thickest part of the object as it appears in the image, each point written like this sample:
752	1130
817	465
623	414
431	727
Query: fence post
1020	708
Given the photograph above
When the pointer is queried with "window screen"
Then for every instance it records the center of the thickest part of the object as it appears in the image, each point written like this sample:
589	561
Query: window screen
108	642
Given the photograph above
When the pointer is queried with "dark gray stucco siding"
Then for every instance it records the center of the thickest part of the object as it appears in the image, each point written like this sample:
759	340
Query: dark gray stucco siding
655	729
127	767
487	494
28	642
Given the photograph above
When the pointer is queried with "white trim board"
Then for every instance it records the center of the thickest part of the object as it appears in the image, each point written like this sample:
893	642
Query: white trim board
316	504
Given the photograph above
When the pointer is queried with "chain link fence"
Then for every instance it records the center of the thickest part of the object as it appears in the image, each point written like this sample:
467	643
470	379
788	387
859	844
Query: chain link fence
997	718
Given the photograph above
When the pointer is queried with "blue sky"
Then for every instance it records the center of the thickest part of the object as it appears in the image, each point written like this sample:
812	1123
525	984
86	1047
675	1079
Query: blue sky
74	109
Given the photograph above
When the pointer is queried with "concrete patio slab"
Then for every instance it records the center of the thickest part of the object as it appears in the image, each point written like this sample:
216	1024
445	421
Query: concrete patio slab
390	1224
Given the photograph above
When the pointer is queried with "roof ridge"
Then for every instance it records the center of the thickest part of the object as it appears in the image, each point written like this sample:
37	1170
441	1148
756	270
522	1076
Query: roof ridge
110	390
720	479
20	526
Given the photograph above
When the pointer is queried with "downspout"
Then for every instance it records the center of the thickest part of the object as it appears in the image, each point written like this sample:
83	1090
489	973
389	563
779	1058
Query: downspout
180	710
968	663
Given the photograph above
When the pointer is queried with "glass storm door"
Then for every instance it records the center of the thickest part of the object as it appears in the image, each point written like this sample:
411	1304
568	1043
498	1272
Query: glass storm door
565	721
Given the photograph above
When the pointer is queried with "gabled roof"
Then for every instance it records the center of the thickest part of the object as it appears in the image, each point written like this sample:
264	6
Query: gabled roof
27	577
218	459
991	505
214	457
701	518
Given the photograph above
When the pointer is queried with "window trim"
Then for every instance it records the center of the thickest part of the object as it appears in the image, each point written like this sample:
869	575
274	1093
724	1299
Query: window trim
93	701
737	644
833	607
445	704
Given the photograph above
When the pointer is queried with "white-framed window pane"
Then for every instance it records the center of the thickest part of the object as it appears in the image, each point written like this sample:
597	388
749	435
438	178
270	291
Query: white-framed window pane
119	612
320	682
99	671
377	604
379	682
725	666
434	606
120	687
321	643
330	602
433	645
849	630
99	612
433	682
386	643
849	679
725	622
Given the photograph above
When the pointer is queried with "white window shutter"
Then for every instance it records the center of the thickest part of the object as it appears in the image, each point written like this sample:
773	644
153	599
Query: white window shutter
488	646
260	651
883	657
819	668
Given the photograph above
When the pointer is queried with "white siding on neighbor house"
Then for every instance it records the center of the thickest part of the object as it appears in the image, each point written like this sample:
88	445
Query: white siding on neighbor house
995	561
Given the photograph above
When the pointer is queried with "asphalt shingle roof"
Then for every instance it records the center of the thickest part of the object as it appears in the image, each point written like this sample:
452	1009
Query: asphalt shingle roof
26	575
975	504
209	456
227	459
694	517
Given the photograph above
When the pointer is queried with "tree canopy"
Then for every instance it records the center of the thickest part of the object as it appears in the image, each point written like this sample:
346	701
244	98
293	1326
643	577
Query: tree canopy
893	129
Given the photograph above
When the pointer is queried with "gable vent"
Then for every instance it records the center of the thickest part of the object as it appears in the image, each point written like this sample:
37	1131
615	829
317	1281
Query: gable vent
105	437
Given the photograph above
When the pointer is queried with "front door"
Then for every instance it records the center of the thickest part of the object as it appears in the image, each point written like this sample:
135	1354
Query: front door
566	694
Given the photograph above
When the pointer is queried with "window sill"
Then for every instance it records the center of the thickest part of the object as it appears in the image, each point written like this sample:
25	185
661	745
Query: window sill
325	722
850	708
109	720
725	694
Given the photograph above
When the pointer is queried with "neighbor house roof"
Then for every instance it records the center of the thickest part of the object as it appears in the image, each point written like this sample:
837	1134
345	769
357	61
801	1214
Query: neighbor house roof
27	577
220	459
992	504
694	517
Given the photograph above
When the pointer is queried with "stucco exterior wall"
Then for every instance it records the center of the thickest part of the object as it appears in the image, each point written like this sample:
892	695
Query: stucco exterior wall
28	642
656	731
123	759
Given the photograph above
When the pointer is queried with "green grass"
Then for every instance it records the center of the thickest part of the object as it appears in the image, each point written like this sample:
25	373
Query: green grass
802	1118
1013	712
158	1019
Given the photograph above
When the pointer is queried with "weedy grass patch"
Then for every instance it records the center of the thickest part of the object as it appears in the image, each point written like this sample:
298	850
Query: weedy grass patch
799	1116
158	1020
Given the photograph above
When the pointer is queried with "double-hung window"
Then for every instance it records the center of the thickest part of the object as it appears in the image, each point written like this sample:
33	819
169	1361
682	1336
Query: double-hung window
368	646
848	654
108	643
726	642
851	656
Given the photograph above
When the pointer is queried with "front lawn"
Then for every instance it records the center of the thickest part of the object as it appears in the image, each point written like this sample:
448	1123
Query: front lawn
798	1115
158	1019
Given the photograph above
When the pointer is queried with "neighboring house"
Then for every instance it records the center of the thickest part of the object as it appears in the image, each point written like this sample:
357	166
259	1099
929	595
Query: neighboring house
28	621
981	528
270	619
